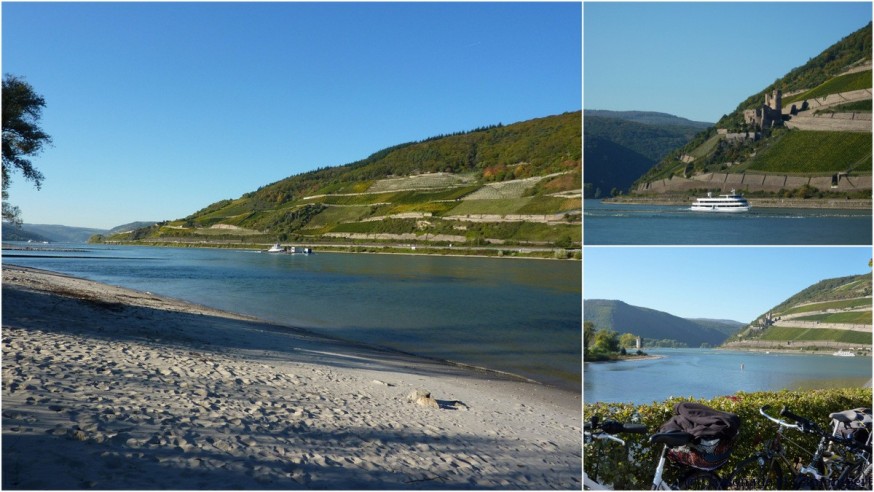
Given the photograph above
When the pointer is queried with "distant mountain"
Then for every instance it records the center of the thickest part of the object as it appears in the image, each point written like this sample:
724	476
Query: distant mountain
58	233
650	118
62	234
831	314
131	226
656	325
13	233
620	146
610	166
727	326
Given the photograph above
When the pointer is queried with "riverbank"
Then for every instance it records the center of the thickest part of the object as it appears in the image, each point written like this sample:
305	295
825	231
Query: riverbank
623	358
105	387
826	350
520	252
811	203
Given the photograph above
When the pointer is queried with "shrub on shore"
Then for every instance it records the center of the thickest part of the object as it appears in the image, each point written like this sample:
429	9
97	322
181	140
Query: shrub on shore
632	466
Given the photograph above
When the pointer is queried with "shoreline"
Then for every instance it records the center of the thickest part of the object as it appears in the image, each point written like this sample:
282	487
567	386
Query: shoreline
571	254
627	359
809	203
781	351
105	387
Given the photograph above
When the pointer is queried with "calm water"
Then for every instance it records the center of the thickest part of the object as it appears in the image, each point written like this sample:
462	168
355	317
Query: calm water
520	316
611	223
707	373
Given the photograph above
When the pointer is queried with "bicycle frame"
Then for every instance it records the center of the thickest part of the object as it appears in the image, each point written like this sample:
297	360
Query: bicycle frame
589	436
657	482
826	460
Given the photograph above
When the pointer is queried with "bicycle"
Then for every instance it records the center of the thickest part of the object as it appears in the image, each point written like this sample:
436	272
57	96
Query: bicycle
597	430
846	466
766	469
854	427
697	440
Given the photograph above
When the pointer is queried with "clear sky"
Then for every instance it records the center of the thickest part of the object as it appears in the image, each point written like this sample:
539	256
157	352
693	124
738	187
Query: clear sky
737	283
159	109
700	60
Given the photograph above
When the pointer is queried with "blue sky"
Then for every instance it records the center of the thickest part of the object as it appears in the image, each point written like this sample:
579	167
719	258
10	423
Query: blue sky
722	283
700	60
159	109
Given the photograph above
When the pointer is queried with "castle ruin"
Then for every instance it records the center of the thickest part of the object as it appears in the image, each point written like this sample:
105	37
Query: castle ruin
769	114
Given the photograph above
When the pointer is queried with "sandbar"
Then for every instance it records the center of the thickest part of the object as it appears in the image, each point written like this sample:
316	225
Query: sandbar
111	388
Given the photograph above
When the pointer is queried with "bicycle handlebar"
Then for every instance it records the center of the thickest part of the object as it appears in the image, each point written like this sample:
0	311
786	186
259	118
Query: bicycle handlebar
805	424
612	426
763	411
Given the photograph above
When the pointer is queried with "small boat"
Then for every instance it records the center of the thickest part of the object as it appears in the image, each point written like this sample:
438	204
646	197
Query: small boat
276	248
844	353
723	203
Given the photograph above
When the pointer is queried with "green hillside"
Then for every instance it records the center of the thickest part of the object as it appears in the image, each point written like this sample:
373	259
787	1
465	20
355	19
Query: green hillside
611	167
824	152
656	327
799	145
516	185
620	146
831	314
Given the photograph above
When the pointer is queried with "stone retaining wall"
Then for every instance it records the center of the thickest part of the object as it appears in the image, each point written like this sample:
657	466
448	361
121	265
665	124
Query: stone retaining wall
754	182
839	122
816	325
829	100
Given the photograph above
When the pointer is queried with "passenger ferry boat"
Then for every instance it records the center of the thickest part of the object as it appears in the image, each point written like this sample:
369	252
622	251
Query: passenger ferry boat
724	203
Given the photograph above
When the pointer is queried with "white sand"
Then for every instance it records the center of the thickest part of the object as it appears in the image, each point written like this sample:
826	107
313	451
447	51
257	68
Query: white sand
111	388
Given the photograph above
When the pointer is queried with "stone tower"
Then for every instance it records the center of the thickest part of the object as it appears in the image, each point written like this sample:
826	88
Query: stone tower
775	100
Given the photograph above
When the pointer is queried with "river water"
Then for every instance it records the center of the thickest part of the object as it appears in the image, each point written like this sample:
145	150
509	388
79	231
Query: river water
707	373
519	316
614	223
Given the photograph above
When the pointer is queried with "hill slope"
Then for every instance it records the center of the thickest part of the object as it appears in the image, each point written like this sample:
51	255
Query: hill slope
656	325
611	166
62	233
831	314
620	146
826	106
518	184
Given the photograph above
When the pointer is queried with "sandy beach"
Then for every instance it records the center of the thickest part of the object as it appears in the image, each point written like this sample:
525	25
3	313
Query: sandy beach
110	388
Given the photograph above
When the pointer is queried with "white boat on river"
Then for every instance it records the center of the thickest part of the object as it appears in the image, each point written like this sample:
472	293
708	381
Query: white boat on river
723	203
844	353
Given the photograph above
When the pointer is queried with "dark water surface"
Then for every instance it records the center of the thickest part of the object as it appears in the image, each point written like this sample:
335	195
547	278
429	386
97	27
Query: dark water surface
707	373
612	223
519	316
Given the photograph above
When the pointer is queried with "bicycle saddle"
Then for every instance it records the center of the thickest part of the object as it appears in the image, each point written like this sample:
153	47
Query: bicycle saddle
672	439
847	416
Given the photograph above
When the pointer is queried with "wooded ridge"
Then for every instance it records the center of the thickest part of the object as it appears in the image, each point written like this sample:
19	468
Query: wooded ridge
517	186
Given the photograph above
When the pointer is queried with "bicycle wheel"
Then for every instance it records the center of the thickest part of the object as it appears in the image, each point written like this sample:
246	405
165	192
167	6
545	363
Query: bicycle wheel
804	482
756	473
701	480
856	478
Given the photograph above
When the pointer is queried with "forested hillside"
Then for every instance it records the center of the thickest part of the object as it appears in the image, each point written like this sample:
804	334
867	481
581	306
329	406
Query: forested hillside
620	146
516	185
656	327
611	167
